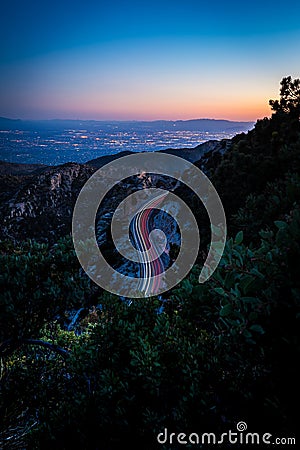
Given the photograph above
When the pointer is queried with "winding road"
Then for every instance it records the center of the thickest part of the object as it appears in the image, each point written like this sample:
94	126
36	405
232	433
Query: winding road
140	232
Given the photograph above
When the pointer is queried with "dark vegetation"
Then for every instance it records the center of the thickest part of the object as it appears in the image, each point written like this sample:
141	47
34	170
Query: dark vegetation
219	353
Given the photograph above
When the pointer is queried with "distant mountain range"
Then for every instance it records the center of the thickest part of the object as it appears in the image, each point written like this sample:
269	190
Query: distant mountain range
204	125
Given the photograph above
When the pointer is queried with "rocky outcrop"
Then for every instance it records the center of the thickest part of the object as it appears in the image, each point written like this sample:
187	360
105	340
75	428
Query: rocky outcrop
38	201
42	205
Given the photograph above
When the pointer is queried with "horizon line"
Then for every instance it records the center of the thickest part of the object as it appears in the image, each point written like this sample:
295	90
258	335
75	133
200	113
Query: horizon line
128	120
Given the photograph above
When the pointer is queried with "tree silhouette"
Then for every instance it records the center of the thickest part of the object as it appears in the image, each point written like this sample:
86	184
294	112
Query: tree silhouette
289	102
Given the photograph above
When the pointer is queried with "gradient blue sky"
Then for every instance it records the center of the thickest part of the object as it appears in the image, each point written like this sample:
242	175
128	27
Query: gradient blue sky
145	59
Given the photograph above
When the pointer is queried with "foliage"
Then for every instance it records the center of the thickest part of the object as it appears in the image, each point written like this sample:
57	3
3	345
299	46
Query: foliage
212	343
38	284
260	210
289	102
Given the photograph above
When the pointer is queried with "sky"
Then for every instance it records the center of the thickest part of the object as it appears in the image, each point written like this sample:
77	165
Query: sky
145	60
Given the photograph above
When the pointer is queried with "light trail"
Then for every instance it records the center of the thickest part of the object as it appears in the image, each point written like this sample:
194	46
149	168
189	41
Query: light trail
140	232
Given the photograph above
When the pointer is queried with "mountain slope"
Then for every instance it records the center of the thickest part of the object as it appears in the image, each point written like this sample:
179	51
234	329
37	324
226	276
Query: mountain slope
37	201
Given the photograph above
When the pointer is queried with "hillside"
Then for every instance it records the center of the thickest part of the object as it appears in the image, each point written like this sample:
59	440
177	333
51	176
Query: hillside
37	201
